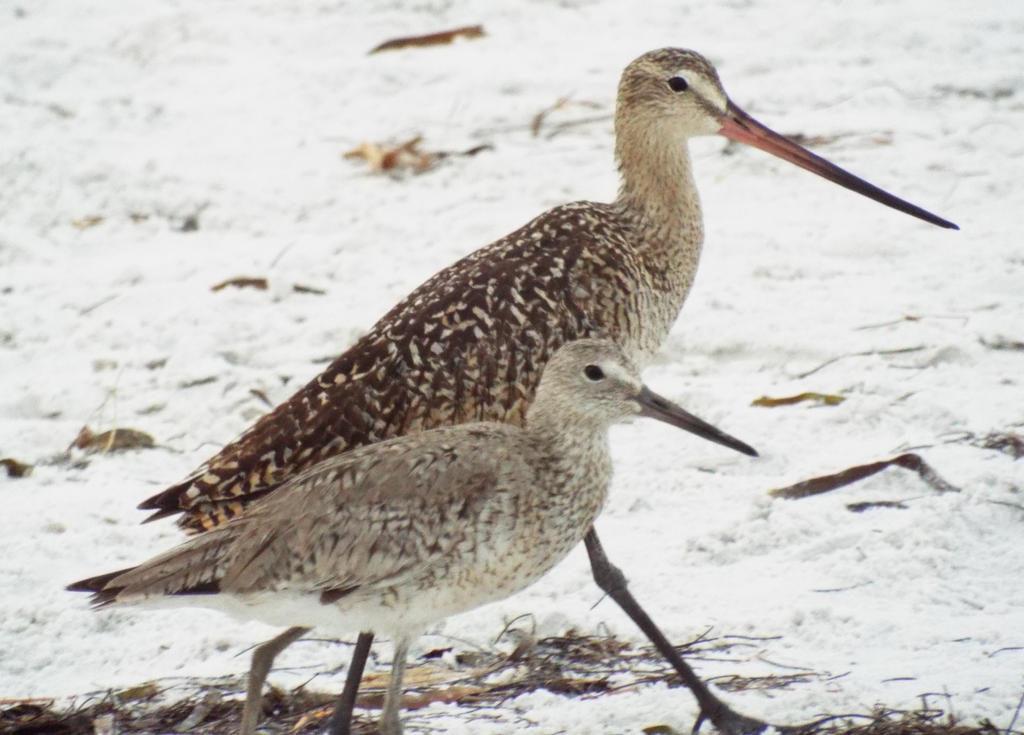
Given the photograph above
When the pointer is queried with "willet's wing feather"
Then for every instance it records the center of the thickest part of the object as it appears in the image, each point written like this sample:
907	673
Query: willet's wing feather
375	514
192	568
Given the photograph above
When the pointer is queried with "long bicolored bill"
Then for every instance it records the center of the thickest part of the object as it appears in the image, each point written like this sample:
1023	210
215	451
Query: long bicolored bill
654	406
741	127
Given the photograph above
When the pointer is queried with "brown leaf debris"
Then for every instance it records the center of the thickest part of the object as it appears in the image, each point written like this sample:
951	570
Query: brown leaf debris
242	282
1003	343
382	157
84	223
406	156
1012	444
16	468
575	665
430	39
112	440
828	399
825	483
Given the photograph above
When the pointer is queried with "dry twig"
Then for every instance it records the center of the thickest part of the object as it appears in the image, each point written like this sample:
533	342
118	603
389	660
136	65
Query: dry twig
868	353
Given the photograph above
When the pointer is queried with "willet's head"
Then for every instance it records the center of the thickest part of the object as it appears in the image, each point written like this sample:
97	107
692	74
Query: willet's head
591	383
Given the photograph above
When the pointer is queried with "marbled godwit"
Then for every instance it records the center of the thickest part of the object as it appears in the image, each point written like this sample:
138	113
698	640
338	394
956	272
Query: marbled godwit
469	344
393	536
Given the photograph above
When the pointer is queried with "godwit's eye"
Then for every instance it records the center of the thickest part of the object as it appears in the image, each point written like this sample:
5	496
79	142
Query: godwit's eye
678	84
593	372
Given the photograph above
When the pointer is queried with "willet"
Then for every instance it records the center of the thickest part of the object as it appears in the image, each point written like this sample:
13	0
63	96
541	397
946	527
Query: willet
394	536
470	343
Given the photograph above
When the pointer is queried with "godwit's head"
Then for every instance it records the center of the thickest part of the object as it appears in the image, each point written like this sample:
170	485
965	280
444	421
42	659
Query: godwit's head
669	95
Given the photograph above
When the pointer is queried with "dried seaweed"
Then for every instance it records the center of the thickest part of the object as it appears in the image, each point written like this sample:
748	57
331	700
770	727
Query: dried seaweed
242	282
430	39
262	284
195	383
828	399
869	504
850	475
1005	442
405	156
113	440
573	665
1002	343
927	720
16	468
300	288
85	223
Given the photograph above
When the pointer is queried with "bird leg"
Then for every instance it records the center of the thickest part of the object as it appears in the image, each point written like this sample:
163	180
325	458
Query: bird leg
341	719
389	722
262	659
610	579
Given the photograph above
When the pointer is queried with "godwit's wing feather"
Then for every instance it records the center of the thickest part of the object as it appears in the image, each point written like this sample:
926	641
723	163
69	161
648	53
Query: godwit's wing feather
467	345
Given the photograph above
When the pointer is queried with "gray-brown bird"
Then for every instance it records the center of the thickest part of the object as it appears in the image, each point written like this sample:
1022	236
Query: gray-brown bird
470	343
393	536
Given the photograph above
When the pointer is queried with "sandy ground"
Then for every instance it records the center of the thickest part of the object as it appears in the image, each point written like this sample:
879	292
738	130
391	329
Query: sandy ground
121	121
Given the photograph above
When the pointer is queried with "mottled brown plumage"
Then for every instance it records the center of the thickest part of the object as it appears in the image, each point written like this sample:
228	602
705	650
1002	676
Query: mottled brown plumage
470	343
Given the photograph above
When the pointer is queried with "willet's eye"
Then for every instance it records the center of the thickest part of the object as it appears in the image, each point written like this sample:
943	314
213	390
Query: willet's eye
678	84
593	372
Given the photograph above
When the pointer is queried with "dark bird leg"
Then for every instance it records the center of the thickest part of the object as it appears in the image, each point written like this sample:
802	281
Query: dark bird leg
610	579
341	720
